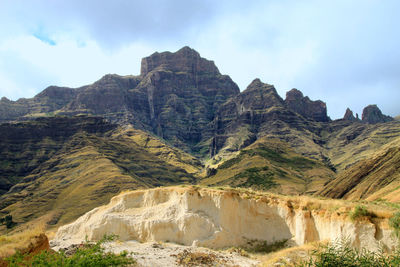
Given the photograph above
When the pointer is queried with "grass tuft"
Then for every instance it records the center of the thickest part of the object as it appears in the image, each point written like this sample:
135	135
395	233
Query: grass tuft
86	255
394	223
342	254
360	212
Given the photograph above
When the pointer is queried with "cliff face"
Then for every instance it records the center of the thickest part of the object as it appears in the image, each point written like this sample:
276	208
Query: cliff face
183	92
217	219
175	97
260	112
372	114
184	60
315	110
182	98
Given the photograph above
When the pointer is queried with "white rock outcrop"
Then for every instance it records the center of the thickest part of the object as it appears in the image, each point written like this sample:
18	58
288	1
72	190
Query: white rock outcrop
218	218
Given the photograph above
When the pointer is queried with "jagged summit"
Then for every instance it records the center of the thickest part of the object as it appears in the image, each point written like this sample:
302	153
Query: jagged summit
315	110
182	98
372	114
349	116
259	95
184	60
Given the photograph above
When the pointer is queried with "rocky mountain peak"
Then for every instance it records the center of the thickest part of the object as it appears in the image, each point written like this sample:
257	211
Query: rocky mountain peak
372	114
294	94
56	92
4	99
261	95
257	84
184	60
296	102
349	116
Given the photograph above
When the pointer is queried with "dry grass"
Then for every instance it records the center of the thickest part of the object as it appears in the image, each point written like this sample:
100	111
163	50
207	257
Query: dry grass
291	172
289	256
161	150
324	206
85	174
370	139
19	240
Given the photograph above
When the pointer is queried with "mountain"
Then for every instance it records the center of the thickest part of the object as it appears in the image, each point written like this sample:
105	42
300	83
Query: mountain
349	116
372	114
64	165
175	96
374	178
179	121
270	164
315	110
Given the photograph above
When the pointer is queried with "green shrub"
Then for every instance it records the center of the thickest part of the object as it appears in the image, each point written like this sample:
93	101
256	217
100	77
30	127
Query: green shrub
394	223
344	255
8	221
233	161
87	255
360	212
258	178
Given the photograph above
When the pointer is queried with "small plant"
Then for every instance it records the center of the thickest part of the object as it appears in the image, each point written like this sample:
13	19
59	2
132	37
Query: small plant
360	212
342	254
258	246
242	252
394	223
188	258
86	255
8	221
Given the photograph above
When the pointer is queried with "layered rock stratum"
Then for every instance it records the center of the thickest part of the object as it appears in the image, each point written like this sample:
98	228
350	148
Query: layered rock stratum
222	218
304	106
180	121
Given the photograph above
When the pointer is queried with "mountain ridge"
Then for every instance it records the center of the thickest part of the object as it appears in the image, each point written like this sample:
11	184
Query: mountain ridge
179	121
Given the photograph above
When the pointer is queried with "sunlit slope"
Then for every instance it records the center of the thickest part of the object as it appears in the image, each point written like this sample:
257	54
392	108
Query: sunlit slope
160	149
26	145
377	177
345	146
270	164
88	169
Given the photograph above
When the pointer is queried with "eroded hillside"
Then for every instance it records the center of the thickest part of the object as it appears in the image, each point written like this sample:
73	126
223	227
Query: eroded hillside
66	175
224	218
181	121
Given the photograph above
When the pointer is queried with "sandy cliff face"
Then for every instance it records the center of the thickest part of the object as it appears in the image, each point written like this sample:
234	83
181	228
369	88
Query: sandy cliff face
219	218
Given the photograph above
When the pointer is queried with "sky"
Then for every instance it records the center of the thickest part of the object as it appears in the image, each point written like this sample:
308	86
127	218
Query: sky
344	52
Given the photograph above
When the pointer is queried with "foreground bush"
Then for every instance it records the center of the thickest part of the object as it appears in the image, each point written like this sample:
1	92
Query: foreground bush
343	255
394	223
86	255
360	212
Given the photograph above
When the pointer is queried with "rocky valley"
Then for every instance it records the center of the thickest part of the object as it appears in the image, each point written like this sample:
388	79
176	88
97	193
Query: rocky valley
210	166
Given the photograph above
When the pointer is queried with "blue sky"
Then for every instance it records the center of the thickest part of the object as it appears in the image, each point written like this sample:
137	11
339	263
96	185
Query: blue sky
344	52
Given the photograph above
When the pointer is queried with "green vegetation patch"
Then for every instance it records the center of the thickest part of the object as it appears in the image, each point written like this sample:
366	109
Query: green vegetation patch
229	163
278	156
342	254
257	177
259	246
360	212
86	255
394	223
7	221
